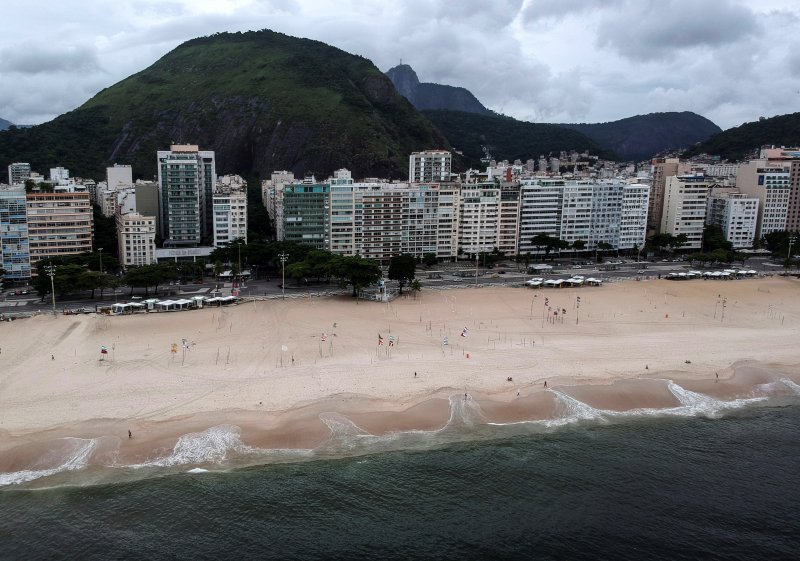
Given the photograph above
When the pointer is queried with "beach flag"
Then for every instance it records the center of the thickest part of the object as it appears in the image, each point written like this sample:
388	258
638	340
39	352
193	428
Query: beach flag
324	337
391	340
464	332
380	339
445	341
103	350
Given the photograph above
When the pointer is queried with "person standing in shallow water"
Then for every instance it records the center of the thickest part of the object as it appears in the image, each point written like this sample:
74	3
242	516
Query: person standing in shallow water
545	383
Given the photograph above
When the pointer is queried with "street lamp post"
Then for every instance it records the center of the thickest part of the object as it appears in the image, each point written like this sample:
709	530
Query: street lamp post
283	257
51	271
792	241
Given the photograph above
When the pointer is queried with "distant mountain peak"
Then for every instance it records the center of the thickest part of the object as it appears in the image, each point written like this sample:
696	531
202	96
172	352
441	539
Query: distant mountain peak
4	125
426	95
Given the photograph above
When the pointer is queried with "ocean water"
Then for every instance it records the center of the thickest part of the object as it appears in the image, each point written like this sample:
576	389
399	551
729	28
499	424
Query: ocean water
706	480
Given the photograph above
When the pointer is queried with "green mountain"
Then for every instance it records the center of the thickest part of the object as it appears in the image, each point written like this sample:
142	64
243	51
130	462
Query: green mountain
426	95
261	100
5	124
506	138
736	143
643	136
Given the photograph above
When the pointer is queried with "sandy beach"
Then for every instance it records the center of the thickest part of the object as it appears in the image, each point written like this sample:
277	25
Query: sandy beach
275	368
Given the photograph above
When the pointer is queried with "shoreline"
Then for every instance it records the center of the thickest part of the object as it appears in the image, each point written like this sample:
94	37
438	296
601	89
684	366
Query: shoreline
305	428
274	369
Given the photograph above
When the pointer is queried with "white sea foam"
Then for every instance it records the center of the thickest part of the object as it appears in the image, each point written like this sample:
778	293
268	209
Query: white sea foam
213	445
575	411
197	470
79	451
791	385
464	411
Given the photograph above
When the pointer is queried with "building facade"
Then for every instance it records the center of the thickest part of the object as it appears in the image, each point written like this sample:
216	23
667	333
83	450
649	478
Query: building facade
59	224
230	216
136	236
685	200
430	166
736	214
662	168
186	180
770	184
306	214
19	173
14	245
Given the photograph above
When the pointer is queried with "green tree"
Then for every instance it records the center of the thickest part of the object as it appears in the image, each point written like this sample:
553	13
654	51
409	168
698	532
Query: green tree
416	286
355	271
579	245
402	268
429	259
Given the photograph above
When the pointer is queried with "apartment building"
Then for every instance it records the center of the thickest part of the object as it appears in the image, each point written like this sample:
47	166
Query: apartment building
19	173
186	180
736	214
479	218
685	200
230	214
605	211
770	183
59	224
540	211
633	218
661	169
430	166
136	236
14	247
306	214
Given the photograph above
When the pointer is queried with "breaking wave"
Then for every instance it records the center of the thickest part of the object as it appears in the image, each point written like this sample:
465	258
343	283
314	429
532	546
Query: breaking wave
221	447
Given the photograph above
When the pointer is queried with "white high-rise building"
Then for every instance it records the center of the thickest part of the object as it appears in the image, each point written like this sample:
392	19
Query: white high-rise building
736	214
19	173
186	180
479	218
430	166
605	211
771	185
136	236
230	210
59	175
633	219
119	177
684	212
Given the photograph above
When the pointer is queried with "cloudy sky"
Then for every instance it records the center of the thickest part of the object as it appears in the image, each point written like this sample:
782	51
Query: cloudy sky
539	60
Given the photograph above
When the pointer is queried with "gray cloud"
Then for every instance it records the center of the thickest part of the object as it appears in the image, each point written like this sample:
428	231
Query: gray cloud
540	60
33	59
644	31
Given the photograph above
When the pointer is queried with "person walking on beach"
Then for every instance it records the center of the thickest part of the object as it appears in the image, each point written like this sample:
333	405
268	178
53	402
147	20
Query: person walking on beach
415	374
545	383
130	434
52	357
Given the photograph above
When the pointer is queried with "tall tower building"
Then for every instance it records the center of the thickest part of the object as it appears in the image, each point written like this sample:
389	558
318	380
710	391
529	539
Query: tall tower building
14	250
186	180
662	169
685	199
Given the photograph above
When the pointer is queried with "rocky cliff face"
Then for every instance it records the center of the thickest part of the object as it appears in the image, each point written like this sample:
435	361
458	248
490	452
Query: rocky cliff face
261	100
424	95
